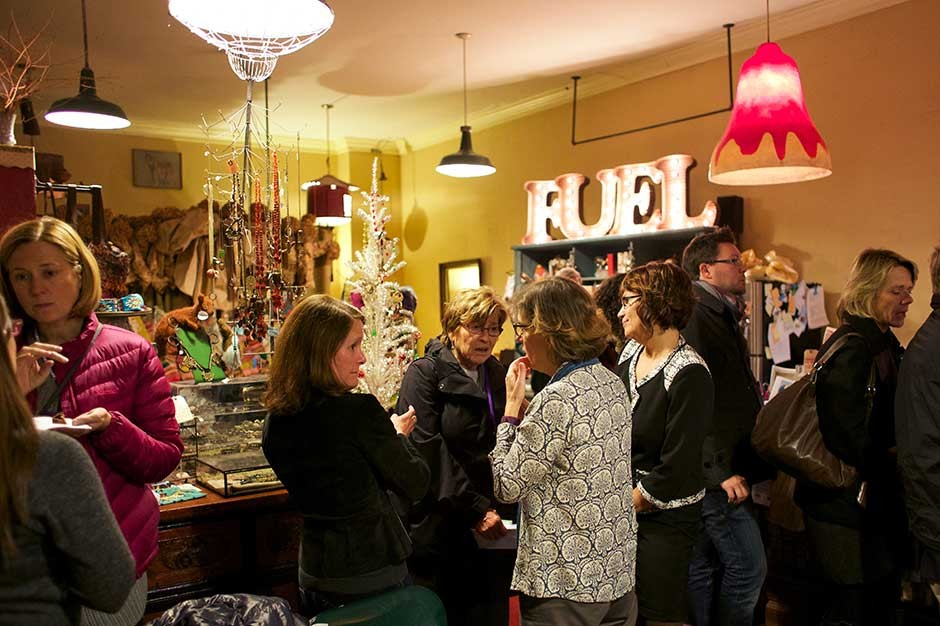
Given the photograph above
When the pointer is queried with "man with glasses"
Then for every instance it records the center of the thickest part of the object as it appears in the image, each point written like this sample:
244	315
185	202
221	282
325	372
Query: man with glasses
728	566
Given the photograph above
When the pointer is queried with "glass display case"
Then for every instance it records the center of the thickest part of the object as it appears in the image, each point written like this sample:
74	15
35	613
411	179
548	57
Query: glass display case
237	473
223	446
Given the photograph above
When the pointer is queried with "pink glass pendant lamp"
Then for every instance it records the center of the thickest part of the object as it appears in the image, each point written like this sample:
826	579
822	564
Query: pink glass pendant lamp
770	138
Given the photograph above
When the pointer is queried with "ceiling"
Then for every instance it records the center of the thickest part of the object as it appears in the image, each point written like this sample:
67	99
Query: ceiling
392	69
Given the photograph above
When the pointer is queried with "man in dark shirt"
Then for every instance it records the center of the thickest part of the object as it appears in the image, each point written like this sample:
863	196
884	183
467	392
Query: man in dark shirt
728	567
917	426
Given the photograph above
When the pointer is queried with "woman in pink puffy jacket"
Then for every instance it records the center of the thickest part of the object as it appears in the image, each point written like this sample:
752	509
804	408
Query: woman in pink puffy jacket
102	376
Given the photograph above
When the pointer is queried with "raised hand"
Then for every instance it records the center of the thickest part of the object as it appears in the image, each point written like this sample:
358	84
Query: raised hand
34	363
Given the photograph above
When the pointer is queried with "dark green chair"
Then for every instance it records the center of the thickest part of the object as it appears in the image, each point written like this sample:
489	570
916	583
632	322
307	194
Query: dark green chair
408	606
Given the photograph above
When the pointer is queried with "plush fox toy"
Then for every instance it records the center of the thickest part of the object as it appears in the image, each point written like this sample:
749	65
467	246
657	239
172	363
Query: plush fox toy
200	335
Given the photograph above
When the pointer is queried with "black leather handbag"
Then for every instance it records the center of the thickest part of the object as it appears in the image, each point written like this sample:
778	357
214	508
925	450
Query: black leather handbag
787	434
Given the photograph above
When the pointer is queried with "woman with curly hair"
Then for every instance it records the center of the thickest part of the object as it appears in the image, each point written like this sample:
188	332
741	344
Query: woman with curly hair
671	394
567	463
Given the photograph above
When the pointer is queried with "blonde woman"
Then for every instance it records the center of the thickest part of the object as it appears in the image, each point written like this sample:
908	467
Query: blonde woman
566	460
860	539
110	379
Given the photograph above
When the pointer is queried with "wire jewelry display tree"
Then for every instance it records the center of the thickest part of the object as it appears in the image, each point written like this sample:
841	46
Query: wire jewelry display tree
253	36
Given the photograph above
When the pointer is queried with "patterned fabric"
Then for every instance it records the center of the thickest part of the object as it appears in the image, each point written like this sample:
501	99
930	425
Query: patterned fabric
568	464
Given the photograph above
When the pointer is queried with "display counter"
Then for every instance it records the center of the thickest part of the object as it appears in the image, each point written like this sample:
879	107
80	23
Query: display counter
242	544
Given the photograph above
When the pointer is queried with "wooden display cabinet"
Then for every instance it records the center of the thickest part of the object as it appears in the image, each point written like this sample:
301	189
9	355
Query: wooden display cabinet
243	544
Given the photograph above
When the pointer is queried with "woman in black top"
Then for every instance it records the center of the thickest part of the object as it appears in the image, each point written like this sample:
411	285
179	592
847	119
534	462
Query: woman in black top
337	453
860	538
671	396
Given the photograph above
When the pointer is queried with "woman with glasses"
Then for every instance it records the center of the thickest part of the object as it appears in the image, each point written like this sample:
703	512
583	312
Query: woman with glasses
860	533
566	459
60	547
458	393
110	381
671	395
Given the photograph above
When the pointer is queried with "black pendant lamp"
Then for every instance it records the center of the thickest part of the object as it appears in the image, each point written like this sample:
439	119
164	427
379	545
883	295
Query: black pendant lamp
465	163
87	110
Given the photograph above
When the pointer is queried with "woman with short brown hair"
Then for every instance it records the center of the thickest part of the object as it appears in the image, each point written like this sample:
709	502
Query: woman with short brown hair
671	394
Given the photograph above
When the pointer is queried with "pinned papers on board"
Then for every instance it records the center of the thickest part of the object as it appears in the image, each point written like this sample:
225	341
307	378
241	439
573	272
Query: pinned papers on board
778	340
816	307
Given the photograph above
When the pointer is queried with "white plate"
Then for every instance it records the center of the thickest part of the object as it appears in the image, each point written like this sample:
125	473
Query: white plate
44	422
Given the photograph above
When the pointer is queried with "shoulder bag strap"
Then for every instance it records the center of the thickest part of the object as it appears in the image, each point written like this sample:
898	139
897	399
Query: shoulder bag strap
68	376
823	358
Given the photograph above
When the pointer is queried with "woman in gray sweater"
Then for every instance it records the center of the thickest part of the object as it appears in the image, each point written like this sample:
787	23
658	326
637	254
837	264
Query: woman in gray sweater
60	547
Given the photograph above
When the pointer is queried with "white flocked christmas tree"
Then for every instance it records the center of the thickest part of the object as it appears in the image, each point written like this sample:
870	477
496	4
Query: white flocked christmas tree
389	336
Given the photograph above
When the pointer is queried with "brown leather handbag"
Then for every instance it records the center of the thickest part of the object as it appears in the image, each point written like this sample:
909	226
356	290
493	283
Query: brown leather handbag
787	434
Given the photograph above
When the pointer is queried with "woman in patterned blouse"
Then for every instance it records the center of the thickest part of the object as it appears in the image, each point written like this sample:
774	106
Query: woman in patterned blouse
670	393
567	462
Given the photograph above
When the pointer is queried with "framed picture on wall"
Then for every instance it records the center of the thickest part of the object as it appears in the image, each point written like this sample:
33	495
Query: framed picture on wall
457	276
162	170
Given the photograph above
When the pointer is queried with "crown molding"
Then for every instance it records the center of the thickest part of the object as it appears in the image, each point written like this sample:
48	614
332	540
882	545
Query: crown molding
195	134
603	78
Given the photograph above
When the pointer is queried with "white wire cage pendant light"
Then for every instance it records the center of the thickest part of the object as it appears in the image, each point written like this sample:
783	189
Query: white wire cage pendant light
254	34
465	163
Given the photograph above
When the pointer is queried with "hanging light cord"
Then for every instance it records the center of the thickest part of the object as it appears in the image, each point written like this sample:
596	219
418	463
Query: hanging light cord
464	37
85	33
768	21
464	78
328	107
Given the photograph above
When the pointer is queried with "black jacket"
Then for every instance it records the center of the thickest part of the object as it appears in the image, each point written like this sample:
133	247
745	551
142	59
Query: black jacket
337	457
454	434
917	425
864	442
714	333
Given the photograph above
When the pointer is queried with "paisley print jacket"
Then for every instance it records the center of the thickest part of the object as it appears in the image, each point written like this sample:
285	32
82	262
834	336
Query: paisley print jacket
568	465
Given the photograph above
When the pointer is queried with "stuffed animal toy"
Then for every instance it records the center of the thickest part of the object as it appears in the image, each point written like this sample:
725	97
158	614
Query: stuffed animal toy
198	341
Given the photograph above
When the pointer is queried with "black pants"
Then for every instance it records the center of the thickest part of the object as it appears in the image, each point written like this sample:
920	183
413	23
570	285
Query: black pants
863	585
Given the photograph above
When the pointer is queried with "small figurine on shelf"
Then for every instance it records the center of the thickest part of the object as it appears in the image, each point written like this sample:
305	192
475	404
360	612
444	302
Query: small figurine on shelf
198	341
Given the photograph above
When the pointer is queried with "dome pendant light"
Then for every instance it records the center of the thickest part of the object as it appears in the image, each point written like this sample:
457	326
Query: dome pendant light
465	163
87	110
770	138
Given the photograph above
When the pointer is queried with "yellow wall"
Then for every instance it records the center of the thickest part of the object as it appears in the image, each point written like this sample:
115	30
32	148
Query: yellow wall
104	158
872	86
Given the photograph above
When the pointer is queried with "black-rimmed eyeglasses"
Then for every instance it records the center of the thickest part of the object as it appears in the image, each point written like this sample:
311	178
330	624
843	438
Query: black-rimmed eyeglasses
628	300
492	331
518	329
735	261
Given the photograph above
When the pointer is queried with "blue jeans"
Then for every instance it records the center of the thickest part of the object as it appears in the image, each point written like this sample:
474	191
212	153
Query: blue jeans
729	556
